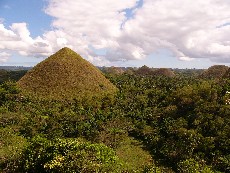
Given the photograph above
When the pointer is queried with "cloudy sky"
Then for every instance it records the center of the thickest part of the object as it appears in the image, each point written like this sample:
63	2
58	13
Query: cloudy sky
157	33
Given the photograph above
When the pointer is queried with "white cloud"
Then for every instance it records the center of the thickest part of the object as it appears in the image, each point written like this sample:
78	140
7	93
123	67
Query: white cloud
90	23
17	39
4	56
190	29
187	28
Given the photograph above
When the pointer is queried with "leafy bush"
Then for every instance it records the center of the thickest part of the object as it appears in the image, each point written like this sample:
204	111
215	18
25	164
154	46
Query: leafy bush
192	166
68	155
11	147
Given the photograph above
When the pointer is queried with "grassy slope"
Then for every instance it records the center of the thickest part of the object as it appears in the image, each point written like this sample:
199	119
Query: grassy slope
227	74
163	72
65	75
215	71
133	155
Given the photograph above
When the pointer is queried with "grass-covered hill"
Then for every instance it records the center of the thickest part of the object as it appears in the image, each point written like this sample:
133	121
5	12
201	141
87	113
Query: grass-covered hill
215	71
65	75
163	72
113	70
227	74
146	71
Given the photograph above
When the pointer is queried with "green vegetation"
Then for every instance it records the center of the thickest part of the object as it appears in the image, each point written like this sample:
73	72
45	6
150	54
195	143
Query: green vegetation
68	155
153	124
11	75
133	154
65	75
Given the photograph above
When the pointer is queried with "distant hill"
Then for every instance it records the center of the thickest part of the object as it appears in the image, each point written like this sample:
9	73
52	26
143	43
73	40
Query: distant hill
113	70
65	75
215	71
188	72
227	74
144	71
163	72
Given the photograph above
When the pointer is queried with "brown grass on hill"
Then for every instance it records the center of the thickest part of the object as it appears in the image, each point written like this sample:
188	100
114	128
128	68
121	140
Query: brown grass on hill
113	70
163	72
215	71
144	71
65	75
227	74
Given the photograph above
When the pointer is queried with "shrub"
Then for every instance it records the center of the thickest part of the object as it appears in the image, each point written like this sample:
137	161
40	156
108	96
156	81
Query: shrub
68	155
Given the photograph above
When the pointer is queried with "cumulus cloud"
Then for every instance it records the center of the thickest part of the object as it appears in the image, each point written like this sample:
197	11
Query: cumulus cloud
188	29
91	23
4	56
17	38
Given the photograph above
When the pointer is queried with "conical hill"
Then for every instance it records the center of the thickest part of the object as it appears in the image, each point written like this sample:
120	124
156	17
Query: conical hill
65	75
144	71
215	72
227	74
163	72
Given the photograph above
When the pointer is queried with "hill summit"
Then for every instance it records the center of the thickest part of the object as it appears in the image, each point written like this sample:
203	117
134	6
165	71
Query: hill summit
164	72
146	71
227	74
65	75
215	71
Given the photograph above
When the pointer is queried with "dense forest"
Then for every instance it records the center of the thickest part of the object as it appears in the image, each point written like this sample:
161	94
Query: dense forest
177	122
6	75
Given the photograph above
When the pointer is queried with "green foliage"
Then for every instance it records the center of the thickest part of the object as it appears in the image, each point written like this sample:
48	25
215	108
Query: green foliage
155	124
8	92
192	166
11	75
133	155
11	147
68	155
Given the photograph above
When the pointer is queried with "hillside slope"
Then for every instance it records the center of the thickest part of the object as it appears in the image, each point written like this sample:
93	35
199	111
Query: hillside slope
65	75
215	71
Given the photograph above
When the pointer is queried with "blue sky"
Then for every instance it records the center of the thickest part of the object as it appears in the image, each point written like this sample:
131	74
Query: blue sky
29	11
130	36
